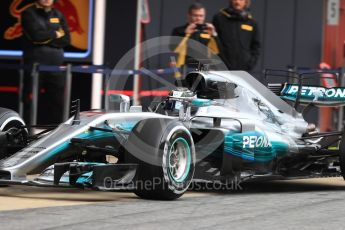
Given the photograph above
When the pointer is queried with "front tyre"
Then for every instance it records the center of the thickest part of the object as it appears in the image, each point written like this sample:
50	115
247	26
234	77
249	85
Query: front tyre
166	158
178	162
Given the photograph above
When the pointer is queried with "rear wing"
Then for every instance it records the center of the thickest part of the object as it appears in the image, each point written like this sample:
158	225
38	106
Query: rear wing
317	95
302	94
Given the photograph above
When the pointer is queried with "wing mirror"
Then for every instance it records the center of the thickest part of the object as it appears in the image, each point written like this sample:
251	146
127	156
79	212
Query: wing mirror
121	102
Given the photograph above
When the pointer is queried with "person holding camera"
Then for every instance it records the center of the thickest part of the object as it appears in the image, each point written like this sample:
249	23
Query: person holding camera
238	36
197	30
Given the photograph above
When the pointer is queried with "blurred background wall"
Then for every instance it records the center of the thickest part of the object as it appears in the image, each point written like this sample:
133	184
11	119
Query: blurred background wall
293	32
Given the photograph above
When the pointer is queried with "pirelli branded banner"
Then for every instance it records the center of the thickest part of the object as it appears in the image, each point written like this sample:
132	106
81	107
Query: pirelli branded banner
317	95
79	16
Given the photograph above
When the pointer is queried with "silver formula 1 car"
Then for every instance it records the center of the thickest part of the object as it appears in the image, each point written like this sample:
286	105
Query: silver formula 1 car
217	126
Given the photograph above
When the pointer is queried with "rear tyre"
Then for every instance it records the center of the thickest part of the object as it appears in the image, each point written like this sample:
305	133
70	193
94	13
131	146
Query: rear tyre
9	120
342	155
164	151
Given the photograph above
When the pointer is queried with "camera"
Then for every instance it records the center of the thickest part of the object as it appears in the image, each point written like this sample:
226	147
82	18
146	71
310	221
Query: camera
201	27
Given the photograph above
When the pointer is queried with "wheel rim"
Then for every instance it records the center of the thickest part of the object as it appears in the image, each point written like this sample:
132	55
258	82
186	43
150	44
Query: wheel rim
179	160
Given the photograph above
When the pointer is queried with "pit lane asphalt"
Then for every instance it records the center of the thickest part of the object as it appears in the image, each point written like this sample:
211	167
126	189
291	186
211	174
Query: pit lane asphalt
300	204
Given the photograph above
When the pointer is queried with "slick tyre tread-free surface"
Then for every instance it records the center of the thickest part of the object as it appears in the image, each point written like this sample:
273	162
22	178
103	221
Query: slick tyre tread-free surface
342	155
164	151
11	119
8	119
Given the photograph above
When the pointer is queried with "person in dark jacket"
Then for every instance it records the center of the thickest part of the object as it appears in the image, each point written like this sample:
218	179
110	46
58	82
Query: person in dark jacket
198	30
46	34
238	36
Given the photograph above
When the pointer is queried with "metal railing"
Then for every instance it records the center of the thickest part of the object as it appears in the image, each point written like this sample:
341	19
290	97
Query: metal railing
68	69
